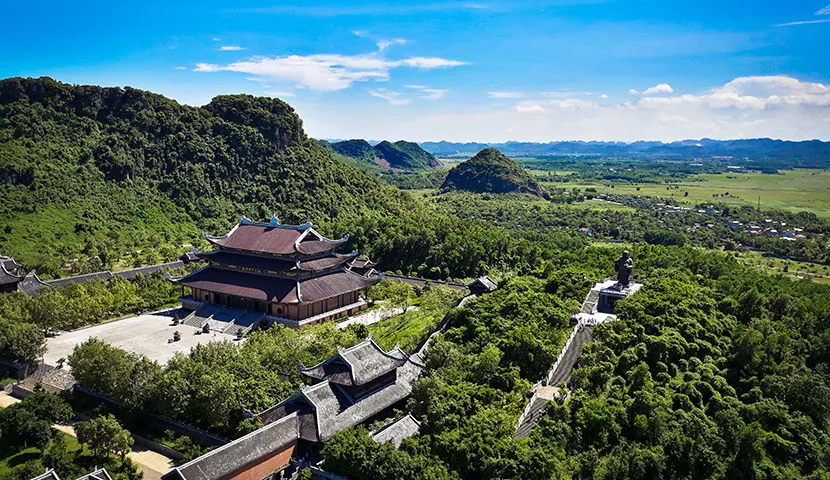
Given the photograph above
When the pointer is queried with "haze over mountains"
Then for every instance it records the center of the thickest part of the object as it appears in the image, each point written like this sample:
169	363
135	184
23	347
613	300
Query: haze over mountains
812	153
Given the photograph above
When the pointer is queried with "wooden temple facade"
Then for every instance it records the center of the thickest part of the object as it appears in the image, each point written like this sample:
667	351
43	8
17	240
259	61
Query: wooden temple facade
289	273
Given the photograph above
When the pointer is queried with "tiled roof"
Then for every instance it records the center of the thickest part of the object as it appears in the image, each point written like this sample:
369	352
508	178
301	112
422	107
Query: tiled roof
362	263
9	263
272	264
31	284
48	475
100	474
311	247
275	289
62	282
483	283
6	277
133	272
228	458
357	365
336	412
398	430
275	238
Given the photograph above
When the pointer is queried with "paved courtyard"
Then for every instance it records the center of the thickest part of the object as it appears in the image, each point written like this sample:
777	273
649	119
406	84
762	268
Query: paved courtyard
143	334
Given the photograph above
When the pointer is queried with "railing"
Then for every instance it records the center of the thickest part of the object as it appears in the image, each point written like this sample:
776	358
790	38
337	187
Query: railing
546	381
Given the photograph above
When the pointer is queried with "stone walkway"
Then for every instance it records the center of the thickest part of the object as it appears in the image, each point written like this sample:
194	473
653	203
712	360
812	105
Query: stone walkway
152	464
146	334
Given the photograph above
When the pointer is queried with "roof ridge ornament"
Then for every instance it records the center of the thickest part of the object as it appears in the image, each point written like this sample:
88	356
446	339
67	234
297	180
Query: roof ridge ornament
274	221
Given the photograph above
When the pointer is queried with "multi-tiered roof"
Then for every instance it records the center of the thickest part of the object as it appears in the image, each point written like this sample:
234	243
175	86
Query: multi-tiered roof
353	386
276	263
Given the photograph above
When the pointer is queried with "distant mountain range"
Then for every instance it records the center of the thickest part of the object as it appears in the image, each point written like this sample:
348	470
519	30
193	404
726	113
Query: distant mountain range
812	153
401	155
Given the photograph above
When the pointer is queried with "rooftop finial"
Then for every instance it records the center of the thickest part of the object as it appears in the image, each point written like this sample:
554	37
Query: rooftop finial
274	220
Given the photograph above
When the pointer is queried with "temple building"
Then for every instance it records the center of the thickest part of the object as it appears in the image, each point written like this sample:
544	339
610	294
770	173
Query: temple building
353	386
11	280
286	273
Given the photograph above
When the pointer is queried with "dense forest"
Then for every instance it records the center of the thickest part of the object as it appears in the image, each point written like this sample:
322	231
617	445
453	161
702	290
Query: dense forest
96	171
491	171
712	371
400	155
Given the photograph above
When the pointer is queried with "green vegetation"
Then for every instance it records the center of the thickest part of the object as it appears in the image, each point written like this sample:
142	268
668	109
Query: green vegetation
99	172
799	190
714	370
105	437
417	323
400	155
490	171
25	321
29	445
211	385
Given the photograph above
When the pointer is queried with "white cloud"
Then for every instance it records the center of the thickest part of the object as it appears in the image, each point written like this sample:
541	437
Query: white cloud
433	93
633	92
230	48
603	96
326	72
511	94
394	98
659	88
529	108
216	39
805	22
179	68
571	104
428	93
824	11
753	93
384	44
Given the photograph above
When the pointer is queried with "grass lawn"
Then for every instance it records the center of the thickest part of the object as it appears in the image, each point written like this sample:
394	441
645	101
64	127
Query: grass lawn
11	457
407	328
795	190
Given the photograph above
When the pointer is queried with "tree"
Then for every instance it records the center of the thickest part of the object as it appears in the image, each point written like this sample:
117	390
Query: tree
22	341
48	407
17	422
105	436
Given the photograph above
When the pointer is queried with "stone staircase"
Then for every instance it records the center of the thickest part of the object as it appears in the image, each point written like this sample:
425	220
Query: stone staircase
533	415
590	303
223	319
562	373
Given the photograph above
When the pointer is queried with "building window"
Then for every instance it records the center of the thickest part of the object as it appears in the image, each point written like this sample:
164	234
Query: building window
279	311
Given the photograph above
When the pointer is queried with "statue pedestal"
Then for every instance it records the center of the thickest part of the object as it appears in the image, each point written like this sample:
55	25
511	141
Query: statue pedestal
599	304
608	295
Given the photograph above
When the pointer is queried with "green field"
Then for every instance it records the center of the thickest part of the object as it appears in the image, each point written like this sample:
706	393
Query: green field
794	190
813	271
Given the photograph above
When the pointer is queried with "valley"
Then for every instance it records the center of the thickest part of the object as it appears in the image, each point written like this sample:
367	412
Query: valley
483	266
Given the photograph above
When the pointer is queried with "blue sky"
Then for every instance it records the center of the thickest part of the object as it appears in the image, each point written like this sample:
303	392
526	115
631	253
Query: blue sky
478	70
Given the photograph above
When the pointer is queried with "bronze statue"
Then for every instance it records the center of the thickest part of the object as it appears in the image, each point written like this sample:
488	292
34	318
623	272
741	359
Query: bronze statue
624	265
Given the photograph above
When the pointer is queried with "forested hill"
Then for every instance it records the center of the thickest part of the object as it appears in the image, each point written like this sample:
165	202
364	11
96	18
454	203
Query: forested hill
491	171
92	170
401	155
